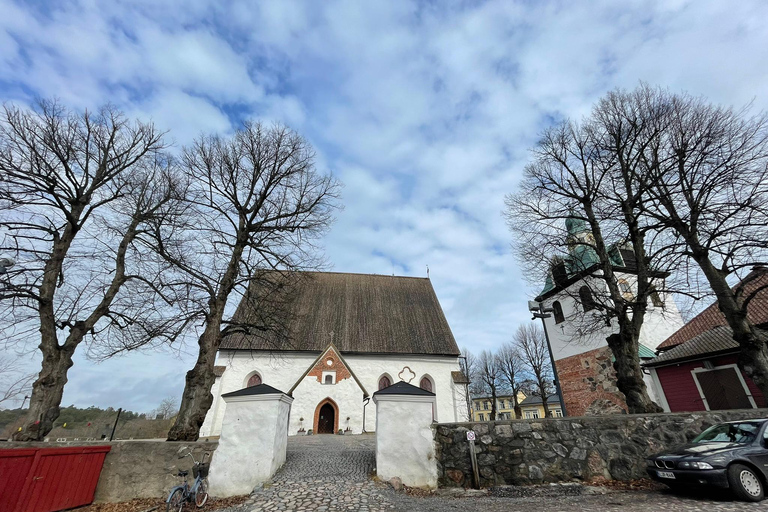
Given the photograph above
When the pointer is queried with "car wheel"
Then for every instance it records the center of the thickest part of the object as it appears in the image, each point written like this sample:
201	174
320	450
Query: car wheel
745	483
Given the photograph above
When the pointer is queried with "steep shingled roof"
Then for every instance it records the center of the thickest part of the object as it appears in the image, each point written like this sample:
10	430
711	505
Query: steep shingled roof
712	317
366	314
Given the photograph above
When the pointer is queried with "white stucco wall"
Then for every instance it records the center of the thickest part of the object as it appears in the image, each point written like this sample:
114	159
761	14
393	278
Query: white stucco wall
282	369
253	443
658	324
405	446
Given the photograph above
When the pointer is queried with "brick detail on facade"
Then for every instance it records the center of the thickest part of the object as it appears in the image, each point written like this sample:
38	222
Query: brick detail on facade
588	382
342	372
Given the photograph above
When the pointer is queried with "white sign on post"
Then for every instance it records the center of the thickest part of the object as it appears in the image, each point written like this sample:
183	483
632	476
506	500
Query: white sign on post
471	435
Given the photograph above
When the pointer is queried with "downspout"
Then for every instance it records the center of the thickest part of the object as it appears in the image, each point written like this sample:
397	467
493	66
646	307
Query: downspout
365	402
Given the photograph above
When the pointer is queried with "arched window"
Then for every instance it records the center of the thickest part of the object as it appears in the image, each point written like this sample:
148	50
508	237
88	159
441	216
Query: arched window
426	384
586	298
626	289
656	298
255	380
559	317
384	382
329	379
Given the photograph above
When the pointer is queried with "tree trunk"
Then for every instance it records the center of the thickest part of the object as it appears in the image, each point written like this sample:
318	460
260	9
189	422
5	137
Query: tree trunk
493	404
46	394
544	397
518	412
629	377
197	397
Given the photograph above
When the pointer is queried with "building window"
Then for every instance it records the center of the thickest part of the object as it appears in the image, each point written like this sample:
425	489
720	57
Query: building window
587	300
626	289
255	380
531	414
486	406
329	377
482	417
656	299
426	384
384	382
559	317
557	413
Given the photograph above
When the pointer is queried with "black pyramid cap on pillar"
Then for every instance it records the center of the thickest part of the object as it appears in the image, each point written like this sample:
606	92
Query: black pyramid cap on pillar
261	389
403	388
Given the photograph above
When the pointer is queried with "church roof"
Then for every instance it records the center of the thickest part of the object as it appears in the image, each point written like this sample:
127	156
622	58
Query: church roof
358	313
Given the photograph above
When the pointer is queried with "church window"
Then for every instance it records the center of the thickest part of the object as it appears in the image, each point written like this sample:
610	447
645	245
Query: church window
329	378
384	382
426	384
558	311
586	298
329	362
626	289
255	380
656	299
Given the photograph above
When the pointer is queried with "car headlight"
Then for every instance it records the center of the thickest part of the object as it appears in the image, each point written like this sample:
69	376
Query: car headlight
701	465
650	463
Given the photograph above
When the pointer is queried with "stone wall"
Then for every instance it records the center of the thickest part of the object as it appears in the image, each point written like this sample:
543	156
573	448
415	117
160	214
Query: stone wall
562	449
137	469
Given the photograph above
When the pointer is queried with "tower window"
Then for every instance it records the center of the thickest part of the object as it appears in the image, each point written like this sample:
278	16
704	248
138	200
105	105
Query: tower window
587	300
384	382
559	317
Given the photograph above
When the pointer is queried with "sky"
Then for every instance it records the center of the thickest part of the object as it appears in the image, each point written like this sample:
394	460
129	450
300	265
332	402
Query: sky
426	112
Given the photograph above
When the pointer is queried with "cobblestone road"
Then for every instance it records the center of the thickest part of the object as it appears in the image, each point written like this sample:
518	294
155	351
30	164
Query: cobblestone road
332	473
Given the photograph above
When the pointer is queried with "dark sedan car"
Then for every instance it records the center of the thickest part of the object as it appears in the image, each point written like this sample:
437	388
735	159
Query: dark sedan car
733	455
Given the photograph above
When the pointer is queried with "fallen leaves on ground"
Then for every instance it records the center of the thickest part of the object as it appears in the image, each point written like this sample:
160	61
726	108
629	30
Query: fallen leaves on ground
144	504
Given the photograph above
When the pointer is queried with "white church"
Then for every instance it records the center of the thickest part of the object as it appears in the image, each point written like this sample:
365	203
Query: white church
349	335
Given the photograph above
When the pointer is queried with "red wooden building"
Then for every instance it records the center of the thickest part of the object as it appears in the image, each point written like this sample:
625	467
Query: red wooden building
696	367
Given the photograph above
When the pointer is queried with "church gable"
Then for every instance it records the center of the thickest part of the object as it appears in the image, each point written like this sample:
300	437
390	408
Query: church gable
330	361
329	368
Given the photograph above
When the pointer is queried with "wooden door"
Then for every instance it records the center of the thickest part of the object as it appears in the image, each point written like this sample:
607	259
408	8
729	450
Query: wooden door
327	419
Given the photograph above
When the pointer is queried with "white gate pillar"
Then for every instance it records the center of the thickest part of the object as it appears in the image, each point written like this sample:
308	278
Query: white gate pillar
405	445
254	437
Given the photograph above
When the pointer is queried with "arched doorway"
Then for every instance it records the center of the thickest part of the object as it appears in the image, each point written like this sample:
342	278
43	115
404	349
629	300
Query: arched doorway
326	417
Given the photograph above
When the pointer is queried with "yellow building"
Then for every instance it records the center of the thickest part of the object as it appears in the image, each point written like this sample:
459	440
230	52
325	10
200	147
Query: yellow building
505	407
532	407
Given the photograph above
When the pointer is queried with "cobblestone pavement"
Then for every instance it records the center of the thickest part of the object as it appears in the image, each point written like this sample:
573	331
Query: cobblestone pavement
333	473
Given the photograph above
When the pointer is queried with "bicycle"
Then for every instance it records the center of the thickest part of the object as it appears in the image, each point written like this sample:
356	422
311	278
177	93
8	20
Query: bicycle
183	493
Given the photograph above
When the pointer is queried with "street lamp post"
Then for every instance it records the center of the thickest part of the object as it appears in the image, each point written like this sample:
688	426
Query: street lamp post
541	312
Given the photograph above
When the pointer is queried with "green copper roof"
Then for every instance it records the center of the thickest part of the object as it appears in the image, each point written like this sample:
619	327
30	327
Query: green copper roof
642	351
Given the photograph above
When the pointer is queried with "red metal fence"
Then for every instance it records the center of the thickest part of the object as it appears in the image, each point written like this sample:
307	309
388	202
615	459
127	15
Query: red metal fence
49	479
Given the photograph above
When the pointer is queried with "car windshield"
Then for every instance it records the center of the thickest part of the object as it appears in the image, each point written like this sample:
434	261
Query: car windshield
742	433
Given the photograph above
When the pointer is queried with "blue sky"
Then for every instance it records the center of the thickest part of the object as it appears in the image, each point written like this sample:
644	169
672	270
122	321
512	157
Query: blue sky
424	110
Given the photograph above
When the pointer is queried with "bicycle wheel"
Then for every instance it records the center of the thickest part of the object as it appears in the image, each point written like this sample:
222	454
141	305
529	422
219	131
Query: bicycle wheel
201	495
176	501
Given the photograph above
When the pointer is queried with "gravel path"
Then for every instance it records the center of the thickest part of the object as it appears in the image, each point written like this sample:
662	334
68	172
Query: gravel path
333	473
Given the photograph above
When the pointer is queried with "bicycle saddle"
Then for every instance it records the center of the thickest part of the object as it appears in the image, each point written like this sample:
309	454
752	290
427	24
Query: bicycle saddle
183	473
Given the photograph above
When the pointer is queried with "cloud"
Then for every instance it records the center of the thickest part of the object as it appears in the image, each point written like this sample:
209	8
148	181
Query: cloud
425	111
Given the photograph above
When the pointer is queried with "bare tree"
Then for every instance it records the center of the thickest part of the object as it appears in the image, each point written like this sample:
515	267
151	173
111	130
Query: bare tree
468	367
489	377
706	171
75	190
14	382
512	370
167	408
255	203
581	179
535	355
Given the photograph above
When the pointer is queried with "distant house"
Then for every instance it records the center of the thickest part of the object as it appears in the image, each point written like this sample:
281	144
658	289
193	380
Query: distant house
533	407
696	367
505	407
